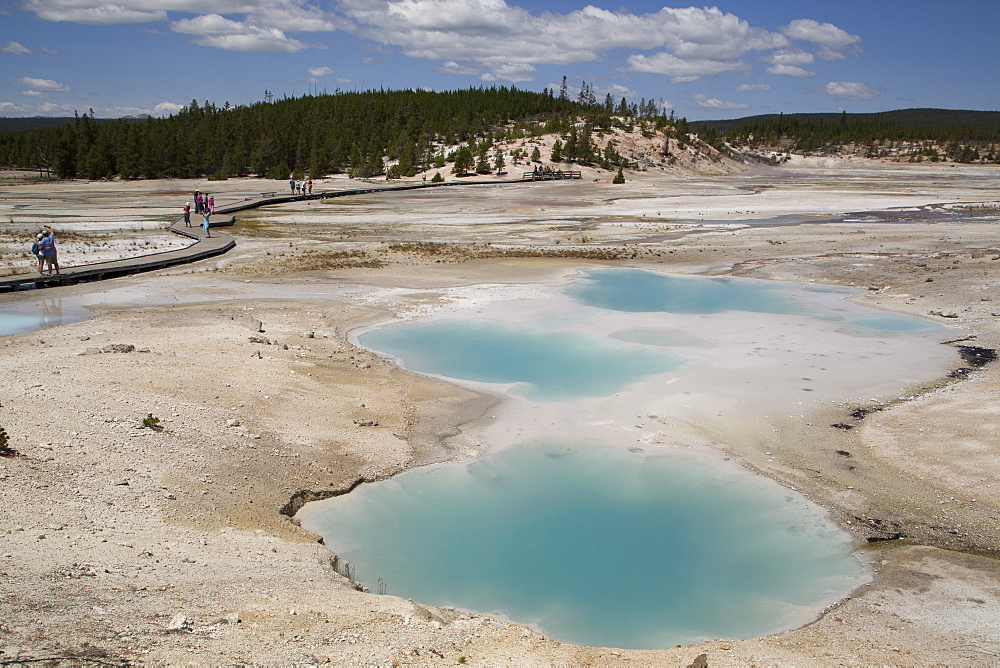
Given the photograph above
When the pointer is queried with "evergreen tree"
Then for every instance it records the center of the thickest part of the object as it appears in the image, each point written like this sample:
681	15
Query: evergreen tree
482	164
463	161
557	149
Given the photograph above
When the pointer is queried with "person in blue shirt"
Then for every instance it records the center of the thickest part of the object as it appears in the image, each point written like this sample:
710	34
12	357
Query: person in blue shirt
47	250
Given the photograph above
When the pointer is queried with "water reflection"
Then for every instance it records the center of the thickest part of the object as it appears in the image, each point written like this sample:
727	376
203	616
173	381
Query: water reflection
39	314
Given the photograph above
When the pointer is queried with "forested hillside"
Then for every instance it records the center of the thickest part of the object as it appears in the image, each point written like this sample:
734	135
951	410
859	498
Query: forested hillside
914	134
360	133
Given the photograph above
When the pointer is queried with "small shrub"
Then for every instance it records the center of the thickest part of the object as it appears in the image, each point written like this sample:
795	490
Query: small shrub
4	440
619	177
437	178
151	422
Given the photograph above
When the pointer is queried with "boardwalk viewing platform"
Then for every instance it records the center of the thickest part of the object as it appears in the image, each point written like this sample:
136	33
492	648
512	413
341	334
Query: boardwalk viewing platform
552	175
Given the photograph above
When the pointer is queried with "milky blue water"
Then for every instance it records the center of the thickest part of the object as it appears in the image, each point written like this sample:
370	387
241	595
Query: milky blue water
595	545
635	290
612	546
33	316
546	365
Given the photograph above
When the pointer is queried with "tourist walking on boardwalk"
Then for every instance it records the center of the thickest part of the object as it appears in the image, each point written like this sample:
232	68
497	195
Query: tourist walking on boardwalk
291	184
309	183
47	246
205	226
187	214
197	201
211	203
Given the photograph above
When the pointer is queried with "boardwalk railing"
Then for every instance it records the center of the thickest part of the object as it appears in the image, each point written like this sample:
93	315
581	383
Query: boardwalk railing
552	175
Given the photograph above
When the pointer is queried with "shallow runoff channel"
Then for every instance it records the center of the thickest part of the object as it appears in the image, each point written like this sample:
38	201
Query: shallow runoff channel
600	513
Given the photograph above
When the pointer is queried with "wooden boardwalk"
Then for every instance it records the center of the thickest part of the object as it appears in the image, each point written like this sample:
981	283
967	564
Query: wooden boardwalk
203	247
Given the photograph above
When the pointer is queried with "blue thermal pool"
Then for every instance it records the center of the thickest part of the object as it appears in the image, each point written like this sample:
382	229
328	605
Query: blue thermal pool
593	540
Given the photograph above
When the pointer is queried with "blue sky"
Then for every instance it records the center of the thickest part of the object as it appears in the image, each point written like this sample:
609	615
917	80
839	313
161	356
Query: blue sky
731	59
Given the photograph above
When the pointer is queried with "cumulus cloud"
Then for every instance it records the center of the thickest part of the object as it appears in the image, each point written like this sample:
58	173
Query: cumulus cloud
95	12
319	71
752	88
16	49
53	108
222	33
833	41
467	36
706	102
789	71
514	72
680	69
167	108
686	43
851	90
791	57
451	67
42	85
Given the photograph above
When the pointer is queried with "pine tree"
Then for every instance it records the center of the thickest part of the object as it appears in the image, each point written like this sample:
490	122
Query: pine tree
463	161
557	148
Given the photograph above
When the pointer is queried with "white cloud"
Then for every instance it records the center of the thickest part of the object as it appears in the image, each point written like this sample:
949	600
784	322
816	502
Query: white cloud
752	88
791	57
691	42
790	71
680	69
706	102
264	26
257	39
514	72
451	67
43	85
851	90
833	40
11	108
208	24
53	108
319	71
96	13
166	108
222	33
32	93
617	92
111	12
490	38
16	49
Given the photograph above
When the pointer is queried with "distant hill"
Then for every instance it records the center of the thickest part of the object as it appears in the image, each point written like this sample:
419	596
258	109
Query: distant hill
33	123
914	135
918	119
43	122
